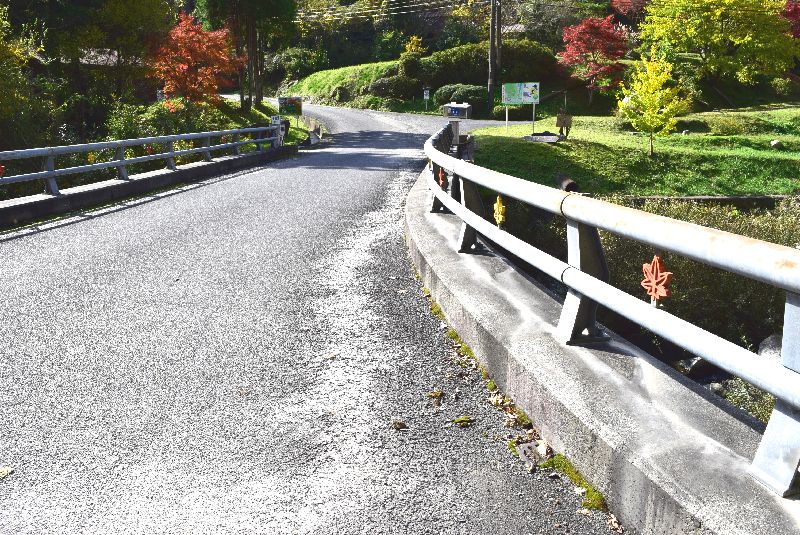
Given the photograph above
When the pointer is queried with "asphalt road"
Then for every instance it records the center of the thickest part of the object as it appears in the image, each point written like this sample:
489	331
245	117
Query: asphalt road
229	357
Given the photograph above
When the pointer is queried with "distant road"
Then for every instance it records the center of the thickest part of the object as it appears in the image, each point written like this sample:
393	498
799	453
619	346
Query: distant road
229	359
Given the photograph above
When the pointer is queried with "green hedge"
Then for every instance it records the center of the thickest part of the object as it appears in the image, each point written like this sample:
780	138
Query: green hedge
401	87
523	61
474	94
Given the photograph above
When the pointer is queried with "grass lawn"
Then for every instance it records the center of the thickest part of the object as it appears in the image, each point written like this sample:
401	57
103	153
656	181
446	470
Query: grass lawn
726	153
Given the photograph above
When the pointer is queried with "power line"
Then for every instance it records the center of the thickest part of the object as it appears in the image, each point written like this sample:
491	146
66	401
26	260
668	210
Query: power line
386	4
389	8
376	13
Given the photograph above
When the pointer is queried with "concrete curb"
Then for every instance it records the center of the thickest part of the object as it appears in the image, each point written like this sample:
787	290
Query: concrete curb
32	208
669	456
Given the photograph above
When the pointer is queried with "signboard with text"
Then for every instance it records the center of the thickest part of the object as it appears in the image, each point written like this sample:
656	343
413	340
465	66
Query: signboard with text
290	105
521	93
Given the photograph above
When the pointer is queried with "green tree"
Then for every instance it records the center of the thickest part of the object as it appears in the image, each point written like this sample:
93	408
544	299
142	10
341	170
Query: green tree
132	31
254	24
21	118
732	38
650	103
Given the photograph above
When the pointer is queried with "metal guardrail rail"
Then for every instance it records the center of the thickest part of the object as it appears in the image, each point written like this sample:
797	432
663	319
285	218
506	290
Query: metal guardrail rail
49	174
586	276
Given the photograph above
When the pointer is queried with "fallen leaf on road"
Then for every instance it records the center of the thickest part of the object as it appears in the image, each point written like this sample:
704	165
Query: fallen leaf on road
5	471
399	425
464	421
613	524
543	449
435	394
585	512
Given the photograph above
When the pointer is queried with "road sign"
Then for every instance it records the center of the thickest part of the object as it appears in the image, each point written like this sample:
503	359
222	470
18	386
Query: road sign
290	105
521	93
426	94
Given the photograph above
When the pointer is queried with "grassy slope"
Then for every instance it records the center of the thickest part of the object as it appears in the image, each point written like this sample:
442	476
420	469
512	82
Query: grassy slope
320	84
260	114
603	158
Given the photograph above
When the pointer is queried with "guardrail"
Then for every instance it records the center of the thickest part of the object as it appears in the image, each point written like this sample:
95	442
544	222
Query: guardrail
586	276
49	174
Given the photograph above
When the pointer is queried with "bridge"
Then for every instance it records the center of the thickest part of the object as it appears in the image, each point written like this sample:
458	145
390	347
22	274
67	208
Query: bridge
253	352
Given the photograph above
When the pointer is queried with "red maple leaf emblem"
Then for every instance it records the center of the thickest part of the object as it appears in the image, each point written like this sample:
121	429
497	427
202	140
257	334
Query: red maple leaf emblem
656	279
442	178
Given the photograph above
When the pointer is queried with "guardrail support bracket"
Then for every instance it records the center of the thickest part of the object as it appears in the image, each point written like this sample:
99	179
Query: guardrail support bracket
436	204
122	171
207	153
578	321
471	200
50	184
778	455
171	160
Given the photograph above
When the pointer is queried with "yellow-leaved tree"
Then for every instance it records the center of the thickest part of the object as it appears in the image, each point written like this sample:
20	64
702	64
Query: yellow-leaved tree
651	102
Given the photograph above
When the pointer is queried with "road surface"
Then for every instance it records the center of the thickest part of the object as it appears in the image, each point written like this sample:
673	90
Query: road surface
229	357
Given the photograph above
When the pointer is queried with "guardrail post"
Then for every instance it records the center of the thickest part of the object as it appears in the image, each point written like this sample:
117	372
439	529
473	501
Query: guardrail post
259	146
207	153
237	149
171	159
778	454
122	171
50	185
578	321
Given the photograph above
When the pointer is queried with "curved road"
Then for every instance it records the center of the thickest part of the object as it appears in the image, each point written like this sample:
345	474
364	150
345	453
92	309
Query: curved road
228	357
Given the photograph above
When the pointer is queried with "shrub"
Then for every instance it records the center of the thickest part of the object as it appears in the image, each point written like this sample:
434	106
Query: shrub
727	126
465	64
400	87
515	113
389	44
409	64
174	116
529	61
368	102
340	93
459	93
296	63
523	61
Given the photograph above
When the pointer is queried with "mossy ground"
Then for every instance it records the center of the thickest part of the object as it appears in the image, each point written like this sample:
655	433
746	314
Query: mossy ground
594	499
515	417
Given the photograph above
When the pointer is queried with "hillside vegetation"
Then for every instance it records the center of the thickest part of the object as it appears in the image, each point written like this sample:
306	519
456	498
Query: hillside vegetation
398	85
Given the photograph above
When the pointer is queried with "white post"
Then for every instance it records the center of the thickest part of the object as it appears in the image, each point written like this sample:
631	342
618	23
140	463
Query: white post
506	117
533	122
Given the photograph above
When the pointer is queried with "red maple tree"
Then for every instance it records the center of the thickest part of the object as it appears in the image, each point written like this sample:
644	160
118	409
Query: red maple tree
633	9
792	13
192	61
593	50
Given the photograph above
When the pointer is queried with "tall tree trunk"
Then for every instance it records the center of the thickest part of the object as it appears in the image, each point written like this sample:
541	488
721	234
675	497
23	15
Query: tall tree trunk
260	69
492	58
250	43
241	73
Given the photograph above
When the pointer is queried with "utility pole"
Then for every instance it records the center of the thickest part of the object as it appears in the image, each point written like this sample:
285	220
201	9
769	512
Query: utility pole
499	40
492	56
